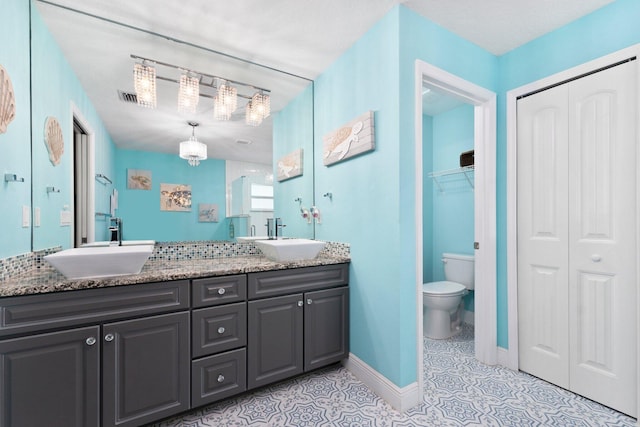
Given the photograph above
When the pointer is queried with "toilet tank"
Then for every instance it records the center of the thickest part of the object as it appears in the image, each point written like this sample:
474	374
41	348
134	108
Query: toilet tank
460	269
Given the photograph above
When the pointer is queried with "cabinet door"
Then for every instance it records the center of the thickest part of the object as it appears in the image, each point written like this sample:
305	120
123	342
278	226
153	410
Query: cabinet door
51	379
275	334
326	327
146	369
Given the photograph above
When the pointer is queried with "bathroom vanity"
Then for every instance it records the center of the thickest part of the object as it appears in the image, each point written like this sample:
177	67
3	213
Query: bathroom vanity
125	352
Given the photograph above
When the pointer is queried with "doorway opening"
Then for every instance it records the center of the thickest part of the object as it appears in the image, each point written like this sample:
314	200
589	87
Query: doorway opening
83	181
484	221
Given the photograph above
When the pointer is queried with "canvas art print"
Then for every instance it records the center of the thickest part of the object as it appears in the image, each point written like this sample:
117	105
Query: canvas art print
290	166
175	197
207	212
351	139
138	179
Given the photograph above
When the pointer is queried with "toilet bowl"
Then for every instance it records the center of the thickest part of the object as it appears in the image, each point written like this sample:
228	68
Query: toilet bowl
442	301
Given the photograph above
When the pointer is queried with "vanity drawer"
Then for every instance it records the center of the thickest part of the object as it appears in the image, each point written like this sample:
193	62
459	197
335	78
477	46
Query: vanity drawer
219	290
216	377
31	313
282	282
217	329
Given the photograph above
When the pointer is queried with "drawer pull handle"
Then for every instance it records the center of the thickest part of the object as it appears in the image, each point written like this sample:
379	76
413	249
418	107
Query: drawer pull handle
221	330
91	340
109	337
309	301
221	291
300	303
220	378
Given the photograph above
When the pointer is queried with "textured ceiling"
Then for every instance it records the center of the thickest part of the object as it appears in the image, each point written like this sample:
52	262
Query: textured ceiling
301	37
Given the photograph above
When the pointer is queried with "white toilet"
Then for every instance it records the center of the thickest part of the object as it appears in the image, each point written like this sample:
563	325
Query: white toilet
442	301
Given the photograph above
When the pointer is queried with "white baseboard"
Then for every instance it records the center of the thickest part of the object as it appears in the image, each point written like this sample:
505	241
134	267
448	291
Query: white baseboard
400	398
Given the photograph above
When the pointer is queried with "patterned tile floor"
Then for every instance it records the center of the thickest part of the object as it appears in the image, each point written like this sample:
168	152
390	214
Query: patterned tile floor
458	391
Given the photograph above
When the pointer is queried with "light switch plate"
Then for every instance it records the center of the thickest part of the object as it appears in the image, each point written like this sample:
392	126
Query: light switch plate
26	216
65	218
36	217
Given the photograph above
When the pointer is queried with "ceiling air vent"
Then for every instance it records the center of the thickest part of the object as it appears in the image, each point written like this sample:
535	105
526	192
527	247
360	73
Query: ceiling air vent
127	97
243	141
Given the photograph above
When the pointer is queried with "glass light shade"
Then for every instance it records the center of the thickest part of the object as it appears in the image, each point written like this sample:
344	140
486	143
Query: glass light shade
261	104
188	94
144	82
193	151
228	96
220	110
252	117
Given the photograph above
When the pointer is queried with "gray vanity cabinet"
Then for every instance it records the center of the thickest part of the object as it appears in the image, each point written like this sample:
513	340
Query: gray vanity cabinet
303	327
219	338
52	372
51	379
146	366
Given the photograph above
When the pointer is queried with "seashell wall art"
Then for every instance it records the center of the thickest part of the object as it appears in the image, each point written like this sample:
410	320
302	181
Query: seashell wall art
7	100
53	139
349	140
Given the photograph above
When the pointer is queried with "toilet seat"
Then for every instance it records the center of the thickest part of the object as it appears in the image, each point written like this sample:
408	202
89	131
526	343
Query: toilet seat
443	288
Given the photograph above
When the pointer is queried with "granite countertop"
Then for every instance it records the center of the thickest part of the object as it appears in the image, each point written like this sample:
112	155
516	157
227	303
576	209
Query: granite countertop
47	279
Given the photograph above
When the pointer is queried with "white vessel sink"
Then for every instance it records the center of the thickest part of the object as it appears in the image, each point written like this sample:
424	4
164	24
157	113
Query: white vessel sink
124	243
100	261
251	238
290	249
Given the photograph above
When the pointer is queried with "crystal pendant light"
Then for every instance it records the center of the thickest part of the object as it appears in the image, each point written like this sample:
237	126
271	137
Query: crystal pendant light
261	104
188	93
192	150
144	82
228	96
220	110
252	117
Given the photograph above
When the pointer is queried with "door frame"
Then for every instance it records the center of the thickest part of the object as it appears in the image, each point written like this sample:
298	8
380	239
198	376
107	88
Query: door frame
512	243
78	116
484	102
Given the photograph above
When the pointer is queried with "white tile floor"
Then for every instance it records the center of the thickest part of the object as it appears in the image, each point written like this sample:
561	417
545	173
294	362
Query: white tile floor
458	391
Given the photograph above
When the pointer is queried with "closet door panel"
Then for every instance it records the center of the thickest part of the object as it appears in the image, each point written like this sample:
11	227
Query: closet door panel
603	236
543	235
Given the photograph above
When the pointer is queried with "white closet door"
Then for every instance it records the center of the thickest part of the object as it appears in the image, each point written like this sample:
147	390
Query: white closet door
543	235
602	236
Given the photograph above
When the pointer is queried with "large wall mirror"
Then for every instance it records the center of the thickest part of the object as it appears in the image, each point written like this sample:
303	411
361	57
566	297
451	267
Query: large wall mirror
98	154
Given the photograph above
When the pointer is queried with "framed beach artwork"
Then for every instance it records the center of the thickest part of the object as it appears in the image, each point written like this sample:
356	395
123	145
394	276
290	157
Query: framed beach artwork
351	139
138	179
175	197
207	212
290	166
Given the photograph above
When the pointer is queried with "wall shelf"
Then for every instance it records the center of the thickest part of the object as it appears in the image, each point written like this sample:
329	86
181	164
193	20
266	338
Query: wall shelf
437	176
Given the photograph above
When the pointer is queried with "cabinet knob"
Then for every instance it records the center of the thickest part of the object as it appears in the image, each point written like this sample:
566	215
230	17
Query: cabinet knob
596	258
300	303
91	340
220	378
309	301
221	330
109	337
221	291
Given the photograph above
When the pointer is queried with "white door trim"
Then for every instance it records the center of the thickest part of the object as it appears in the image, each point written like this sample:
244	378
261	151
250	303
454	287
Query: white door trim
512	243
485	205
77	114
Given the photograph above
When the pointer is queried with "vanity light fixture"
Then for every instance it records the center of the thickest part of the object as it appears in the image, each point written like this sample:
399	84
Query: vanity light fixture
189	93
144	82
193	150
225	99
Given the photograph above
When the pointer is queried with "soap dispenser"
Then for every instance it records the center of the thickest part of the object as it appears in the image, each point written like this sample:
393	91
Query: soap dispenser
305	214
315	212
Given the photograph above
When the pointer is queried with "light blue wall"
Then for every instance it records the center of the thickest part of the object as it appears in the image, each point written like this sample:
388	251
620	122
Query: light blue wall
373	205
15	143
55	88
140	209
451	210
293	129
607	30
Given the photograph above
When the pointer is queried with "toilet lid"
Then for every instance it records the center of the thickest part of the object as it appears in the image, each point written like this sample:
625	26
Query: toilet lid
442	288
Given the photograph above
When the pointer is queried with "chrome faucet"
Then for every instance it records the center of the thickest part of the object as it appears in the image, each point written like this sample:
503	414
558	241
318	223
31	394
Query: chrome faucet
115	231
253	230
279	226
270	228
